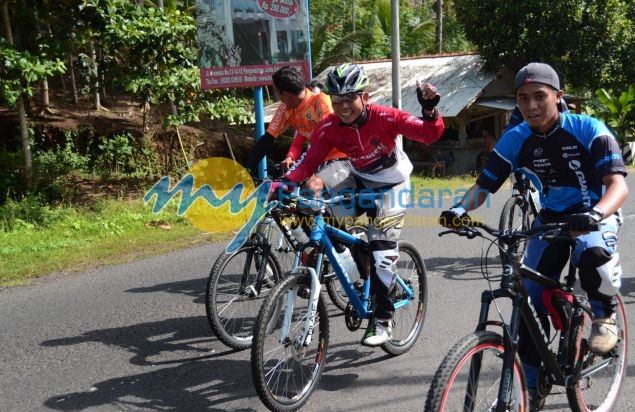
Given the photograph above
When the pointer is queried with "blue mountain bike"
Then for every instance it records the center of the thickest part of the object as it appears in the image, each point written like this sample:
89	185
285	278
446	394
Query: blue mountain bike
291	335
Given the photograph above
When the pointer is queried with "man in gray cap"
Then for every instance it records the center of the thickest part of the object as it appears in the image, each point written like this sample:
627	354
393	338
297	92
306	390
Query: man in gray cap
576	164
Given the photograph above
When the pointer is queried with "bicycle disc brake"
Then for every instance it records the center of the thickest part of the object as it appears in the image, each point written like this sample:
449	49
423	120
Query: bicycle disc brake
352	319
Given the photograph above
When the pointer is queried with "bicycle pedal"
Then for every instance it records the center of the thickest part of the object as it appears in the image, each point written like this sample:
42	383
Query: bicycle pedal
351	318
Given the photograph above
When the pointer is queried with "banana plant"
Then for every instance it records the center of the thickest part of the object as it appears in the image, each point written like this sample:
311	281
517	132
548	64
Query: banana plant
618	112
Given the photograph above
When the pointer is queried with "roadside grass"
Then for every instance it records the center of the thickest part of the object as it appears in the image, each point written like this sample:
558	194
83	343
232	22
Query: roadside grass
112	231
116	231
444	186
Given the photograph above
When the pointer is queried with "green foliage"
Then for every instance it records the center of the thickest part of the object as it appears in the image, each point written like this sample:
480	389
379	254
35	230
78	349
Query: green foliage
617	110
114	152
11	176
161	62
19	71
590	42
333	39
124	155
51	168
231	110
60	160
29	213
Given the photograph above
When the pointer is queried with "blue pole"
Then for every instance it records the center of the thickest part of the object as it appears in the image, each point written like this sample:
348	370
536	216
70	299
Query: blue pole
259	109
308	36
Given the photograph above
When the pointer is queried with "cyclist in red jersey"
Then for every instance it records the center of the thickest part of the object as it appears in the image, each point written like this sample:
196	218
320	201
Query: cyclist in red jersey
367	134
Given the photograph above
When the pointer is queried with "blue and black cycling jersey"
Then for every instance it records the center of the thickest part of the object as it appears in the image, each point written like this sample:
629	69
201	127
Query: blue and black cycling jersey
566	164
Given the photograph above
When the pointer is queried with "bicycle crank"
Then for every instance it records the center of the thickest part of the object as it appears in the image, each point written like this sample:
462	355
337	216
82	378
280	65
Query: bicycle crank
352	319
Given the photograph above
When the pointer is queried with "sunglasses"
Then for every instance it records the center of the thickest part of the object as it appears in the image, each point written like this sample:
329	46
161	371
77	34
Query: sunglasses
345	98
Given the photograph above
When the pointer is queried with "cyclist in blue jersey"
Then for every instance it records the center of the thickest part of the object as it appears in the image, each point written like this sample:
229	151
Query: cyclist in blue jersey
576	164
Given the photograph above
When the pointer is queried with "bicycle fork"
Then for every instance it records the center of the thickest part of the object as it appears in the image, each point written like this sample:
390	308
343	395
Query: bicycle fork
510	343
309	322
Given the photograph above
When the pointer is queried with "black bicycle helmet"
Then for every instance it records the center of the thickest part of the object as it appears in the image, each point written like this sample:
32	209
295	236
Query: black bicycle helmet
346	78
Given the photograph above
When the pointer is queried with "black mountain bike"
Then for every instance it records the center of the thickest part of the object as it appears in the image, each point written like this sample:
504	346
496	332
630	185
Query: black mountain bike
483	371
519	212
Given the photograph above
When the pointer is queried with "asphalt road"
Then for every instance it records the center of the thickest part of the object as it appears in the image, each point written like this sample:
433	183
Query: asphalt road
134	336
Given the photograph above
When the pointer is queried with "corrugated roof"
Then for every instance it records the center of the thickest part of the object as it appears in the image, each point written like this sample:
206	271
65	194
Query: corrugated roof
458	78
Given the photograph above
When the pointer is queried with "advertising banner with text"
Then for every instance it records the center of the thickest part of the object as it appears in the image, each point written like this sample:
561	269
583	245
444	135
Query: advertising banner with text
242	42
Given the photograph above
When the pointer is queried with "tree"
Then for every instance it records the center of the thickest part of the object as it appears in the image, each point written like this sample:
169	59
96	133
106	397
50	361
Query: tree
587	41
20	71
336	37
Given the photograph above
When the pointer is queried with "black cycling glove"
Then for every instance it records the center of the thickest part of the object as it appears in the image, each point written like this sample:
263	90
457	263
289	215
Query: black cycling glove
427	104
453	216
585	222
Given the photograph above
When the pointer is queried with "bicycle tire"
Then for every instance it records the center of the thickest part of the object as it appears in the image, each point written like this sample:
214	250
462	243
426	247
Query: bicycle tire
231	313
599	391
408	320
516	215
285	382
469	376
333	285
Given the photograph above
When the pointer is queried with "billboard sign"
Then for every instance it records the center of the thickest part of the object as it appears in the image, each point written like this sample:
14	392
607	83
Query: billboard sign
242	42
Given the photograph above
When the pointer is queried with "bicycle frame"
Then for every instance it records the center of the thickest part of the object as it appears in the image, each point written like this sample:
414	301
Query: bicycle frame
321	235
274	216
558	369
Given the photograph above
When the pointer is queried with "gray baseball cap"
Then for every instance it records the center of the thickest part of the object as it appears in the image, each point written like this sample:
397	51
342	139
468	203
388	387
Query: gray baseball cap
537	73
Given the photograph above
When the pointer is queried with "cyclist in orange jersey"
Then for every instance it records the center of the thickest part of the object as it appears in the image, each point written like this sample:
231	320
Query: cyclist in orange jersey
299	107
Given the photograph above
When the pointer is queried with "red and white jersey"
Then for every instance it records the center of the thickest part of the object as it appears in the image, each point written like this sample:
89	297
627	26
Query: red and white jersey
371	148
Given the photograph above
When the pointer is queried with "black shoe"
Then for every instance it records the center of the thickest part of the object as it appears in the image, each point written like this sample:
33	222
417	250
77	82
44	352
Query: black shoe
536	400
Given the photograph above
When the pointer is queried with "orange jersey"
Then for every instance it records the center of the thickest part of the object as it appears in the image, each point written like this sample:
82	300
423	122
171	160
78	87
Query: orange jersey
304	119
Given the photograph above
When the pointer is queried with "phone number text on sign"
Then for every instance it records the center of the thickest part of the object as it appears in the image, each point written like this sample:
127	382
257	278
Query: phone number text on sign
279	8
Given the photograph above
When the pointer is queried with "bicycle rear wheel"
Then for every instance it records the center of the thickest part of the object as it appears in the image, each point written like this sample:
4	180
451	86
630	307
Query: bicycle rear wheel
601	378
285	375
408	319
516	215
469	377
232	300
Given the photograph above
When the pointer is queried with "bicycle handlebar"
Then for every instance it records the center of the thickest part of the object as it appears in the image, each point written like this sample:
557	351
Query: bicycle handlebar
469	229
548	231
317	205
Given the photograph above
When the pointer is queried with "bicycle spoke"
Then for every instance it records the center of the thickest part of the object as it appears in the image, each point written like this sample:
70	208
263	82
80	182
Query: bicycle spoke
231	300
285	374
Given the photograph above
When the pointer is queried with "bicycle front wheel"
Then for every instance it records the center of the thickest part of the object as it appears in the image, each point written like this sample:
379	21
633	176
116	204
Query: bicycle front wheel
233	297
516	215
601	376
469	377
409	318
284	372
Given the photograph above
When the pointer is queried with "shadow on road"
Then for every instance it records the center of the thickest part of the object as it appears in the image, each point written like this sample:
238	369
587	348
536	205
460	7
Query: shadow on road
466	269
199	380
193	287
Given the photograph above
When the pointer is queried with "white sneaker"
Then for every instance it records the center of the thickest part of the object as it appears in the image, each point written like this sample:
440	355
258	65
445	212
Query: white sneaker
378	333
603	337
